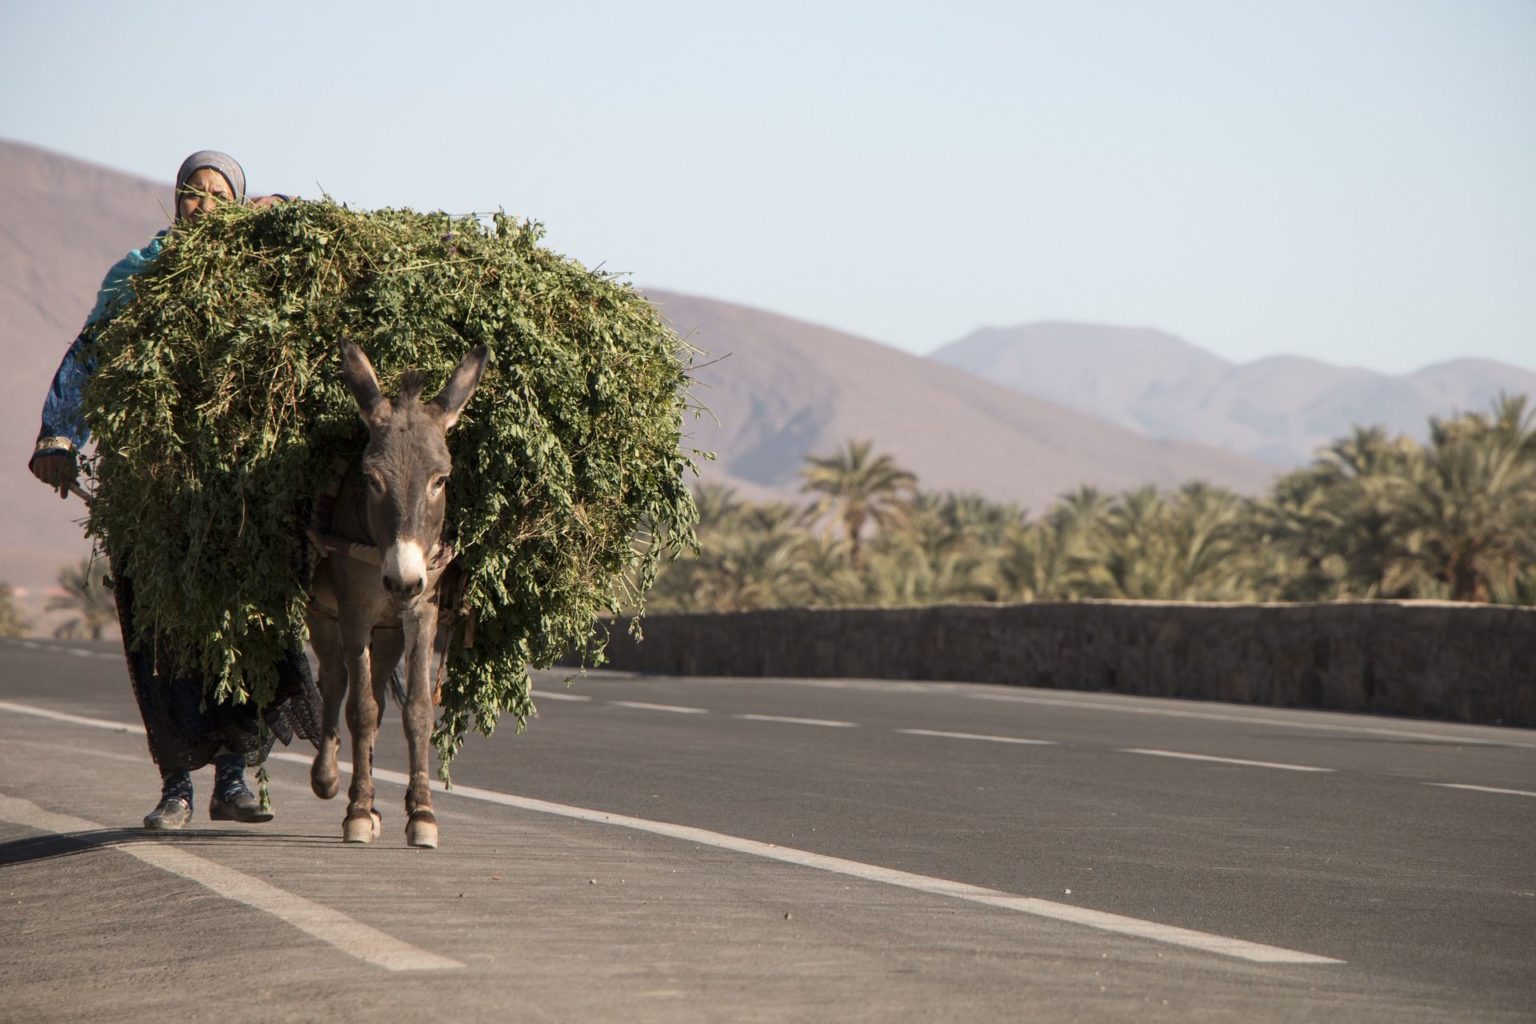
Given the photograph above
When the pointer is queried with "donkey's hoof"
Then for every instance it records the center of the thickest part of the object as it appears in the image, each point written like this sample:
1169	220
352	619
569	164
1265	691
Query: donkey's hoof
362	830
358	830
324	788
421	831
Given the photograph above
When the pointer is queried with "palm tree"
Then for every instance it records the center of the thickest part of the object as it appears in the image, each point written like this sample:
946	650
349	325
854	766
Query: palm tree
12	621
760	567
942	549
1187	546
1465	513
1328	529
829	579
85	593
858	487
718	506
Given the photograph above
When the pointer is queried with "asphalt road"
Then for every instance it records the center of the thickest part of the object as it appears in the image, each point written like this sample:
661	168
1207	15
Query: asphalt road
723	849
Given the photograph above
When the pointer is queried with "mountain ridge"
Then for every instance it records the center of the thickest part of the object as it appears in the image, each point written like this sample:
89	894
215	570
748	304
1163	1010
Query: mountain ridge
831	386
1280	408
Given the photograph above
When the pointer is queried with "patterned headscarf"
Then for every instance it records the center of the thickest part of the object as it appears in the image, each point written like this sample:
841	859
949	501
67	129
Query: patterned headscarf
221	162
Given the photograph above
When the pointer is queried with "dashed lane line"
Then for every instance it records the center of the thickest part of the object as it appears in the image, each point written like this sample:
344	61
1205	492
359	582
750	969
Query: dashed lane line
1017	698
641	705
975	736
1225	760
824	722
347	934
124	727
1214	716
1481	789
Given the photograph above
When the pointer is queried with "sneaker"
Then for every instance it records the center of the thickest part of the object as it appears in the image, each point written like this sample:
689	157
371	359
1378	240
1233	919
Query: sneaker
237	803
173	812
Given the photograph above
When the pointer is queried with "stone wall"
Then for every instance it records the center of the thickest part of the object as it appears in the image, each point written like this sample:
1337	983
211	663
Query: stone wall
1469	663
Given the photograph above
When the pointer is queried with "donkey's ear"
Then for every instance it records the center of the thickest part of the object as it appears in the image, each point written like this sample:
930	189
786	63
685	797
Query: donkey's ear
461	386
357	371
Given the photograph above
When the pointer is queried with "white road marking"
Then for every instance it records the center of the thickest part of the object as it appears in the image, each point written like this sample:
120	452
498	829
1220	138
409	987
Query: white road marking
540	695
33	645
643	706
975	736
330	926
59	716
53	750
1213	716
1481	789
1225	760
1239	948
798	721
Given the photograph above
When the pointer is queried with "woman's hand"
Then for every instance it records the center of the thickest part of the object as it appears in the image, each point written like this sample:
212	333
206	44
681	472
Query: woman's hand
56	469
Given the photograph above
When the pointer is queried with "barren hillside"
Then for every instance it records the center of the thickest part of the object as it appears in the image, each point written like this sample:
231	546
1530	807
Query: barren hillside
781	388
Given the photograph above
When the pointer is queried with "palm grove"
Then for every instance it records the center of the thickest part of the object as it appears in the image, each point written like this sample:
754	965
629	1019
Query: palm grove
1374	516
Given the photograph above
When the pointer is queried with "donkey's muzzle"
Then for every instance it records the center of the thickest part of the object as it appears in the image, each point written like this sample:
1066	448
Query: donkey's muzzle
405	590
405	571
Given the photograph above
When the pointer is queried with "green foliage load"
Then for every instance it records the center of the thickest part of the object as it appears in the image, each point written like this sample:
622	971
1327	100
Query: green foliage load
218	411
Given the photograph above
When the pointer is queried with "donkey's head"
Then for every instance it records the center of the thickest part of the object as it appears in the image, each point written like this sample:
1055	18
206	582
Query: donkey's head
406	463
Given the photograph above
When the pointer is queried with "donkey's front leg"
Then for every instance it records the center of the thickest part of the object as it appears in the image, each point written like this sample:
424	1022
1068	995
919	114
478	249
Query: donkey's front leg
361	824
324	637
420	626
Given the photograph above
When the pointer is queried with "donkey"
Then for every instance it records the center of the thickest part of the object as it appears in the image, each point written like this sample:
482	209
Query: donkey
393	498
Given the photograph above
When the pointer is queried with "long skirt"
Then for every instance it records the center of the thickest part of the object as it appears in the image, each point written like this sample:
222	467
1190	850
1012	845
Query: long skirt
187	730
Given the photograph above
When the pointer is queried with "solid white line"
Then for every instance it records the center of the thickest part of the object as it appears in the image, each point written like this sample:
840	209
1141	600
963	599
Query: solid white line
330	926
540	695
1204	941
52	750
1226	760
32	645
975	736
798	721
1254	951
643	706
1212	716
59	716
1481	789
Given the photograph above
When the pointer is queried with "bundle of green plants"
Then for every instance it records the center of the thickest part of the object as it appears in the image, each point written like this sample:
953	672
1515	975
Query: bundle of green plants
219	411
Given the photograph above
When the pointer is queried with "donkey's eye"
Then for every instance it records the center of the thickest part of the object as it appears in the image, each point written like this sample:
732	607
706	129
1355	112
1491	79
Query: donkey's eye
438	483
375	483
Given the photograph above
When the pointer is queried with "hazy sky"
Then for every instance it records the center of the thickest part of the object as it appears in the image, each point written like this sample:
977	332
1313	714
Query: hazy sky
1351	179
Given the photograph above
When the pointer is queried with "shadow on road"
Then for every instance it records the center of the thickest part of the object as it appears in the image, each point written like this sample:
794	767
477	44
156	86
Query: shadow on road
69	844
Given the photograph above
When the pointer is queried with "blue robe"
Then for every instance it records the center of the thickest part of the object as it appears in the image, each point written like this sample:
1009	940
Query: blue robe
62	407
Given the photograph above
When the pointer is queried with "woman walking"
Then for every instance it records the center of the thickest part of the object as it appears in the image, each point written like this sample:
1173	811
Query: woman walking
184	733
